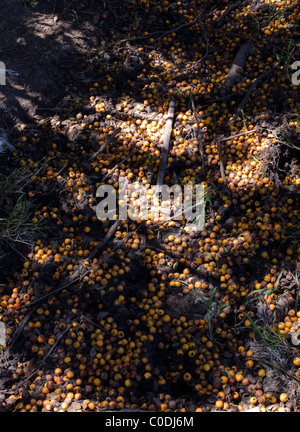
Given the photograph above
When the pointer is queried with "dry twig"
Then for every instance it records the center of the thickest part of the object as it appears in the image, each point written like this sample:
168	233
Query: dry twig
177	29
250	90
235	73
30	376
222	170
166	143
117	166
199	134
274	365
106	239
202	28
108	141
227	12
237	135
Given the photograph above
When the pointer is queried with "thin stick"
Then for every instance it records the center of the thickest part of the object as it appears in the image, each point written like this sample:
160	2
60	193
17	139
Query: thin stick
221	161
38	301
74	277
199	134
277	367
97	249
250	90
56	343
166	143
147	36
162	35
135	38
108	141
91	322
106	239
20	328
45	357
176	29
227	12
116	166
202	28
237	135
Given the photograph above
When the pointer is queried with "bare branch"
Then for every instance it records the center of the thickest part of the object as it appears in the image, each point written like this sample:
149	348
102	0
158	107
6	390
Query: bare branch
199	134
106	239
166	143
108	141
250	90
222	170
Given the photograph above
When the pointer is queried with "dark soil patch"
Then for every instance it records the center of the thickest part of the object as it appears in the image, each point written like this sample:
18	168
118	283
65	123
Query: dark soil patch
45	46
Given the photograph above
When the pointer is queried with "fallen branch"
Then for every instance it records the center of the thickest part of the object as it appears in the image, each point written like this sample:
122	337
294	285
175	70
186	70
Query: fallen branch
106	239
222	170
30	376
59	338
76	276
25	320
277	367
108	141
227	12
166	143
116	166
148	36
237	135
202	28
250	90
199	134
20	328
177	29
236	70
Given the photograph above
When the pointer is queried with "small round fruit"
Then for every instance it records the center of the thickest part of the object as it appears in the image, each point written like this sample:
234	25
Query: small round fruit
283	397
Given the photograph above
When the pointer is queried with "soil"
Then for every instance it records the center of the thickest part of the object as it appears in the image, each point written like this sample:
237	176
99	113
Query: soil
59	50
45	52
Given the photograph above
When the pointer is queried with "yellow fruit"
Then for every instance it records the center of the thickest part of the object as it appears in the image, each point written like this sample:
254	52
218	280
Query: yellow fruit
296	361
283	397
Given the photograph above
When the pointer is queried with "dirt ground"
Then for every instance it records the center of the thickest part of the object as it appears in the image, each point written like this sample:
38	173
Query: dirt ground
46	51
